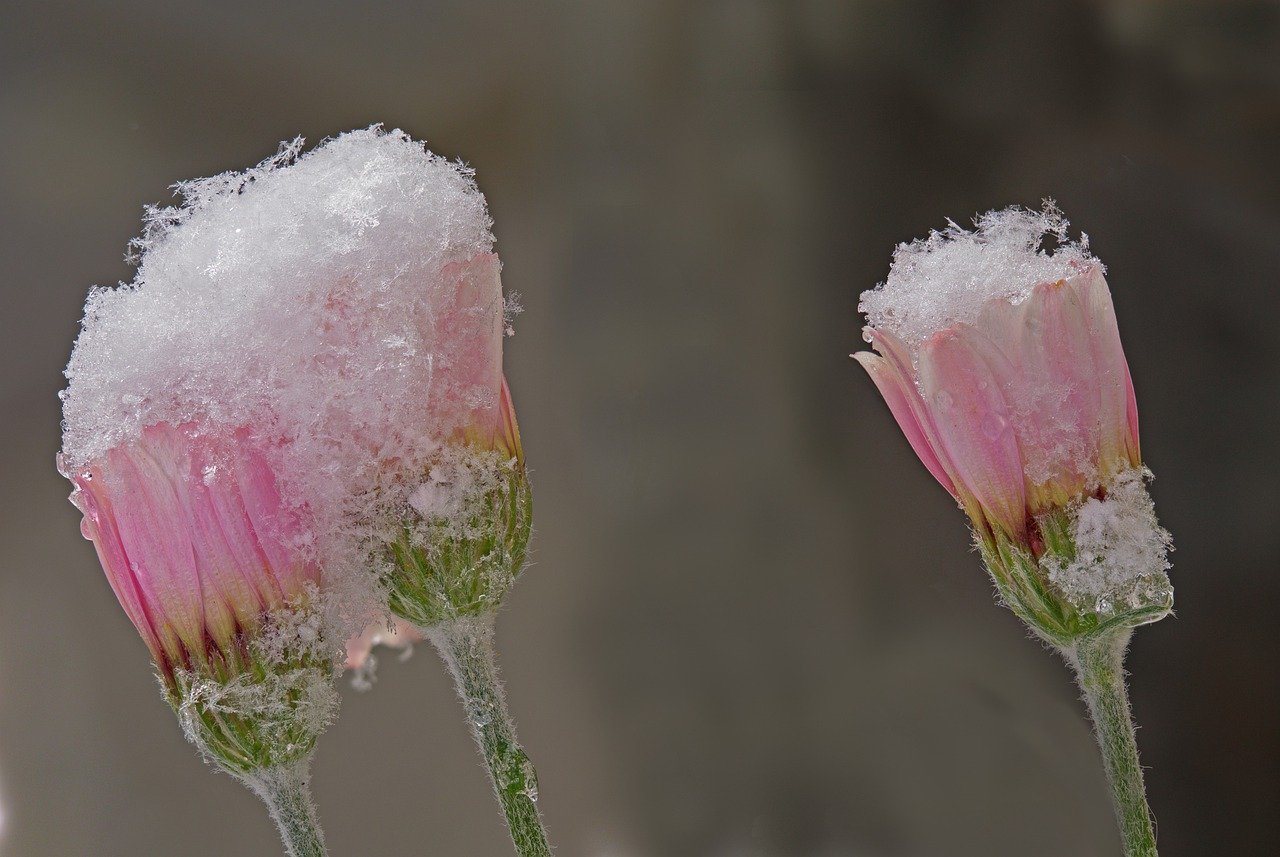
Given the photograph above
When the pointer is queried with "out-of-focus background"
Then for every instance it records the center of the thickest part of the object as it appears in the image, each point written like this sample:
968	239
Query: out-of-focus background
754	627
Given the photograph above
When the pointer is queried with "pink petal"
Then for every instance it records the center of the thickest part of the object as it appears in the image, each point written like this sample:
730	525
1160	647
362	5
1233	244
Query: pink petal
277	530
899	393
467	379
99	526
1058	396
1118	410
152	527
398	634
962	376
228	557
895	351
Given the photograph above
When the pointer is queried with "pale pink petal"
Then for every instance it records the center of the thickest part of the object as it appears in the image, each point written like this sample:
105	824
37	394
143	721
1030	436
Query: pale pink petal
898	393
961	374
99	526
895	351
395	633
153	528
468	326
1058	397
278	531
1118	411
1131	410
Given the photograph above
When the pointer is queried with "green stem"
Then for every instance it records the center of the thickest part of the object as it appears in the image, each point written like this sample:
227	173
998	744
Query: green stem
288	797
1098	660
467	647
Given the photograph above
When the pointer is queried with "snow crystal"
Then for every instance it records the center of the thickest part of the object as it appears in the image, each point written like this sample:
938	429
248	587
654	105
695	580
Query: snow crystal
948	277
1122	552
301	299
459	478
287	706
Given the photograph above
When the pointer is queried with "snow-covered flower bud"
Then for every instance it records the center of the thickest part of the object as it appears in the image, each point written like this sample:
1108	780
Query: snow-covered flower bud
468	523
210	567
1003	366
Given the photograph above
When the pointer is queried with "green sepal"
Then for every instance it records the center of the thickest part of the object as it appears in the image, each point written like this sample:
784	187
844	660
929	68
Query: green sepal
247	711
442	571
1025	588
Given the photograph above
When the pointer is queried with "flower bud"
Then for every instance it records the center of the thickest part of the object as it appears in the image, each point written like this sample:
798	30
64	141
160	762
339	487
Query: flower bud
462	539
1020	403
209	565
465	537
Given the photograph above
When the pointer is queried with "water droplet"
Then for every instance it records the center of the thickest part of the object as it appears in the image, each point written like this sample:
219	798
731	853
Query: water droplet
994	425
943	400
530	777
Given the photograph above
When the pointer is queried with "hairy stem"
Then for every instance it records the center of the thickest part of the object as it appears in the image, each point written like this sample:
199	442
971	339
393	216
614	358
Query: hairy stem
1099	664
467	647
288	797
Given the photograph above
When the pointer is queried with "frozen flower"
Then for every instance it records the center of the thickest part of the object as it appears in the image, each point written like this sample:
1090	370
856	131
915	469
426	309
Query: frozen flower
194	540
472	394
1027	408
464	535
1017	397
346	303
210	567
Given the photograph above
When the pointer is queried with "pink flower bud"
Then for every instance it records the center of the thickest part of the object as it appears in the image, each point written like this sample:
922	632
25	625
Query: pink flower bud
194	539
472	393
1027	408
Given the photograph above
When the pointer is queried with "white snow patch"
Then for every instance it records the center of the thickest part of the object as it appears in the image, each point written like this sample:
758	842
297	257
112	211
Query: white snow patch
948	277
1122	552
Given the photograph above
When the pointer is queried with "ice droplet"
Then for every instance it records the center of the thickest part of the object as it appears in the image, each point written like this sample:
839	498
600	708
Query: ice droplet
994	425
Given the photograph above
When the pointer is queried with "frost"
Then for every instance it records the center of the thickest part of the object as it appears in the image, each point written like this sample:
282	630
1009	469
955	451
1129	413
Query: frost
307	299
286	708
1121	551
511	308
287	701
948	277
458	478
300	632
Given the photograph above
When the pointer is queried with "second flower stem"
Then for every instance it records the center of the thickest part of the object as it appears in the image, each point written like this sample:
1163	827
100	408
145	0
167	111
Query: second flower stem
467	647
1099	665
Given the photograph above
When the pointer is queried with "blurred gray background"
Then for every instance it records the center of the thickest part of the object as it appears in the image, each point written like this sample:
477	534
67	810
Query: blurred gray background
754	627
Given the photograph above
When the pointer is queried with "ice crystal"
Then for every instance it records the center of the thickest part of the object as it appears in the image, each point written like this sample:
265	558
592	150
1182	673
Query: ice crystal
948	277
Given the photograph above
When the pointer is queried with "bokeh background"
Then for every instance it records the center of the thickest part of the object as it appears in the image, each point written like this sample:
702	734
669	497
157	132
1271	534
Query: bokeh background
754	627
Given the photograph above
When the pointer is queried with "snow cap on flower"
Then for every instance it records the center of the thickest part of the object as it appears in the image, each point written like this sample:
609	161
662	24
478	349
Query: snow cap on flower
344	303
